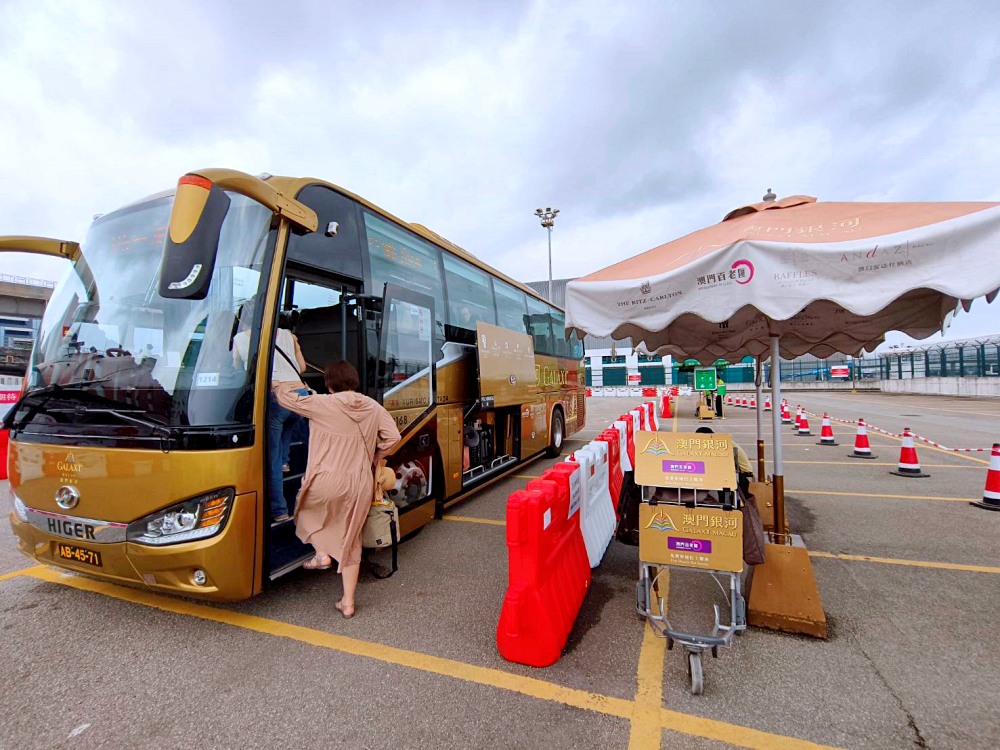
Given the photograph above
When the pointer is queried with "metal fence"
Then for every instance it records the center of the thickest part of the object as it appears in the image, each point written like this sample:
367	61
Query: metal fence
953	359
27	281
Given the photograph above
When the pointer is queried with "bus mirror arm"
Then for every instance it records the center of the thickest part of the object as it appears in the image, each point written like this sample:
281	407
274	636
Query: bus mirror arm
58	248
41	246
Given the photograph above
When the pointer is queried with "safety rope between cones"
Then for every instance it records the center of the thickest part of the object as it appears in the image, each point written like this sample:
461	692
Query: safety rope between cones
928	441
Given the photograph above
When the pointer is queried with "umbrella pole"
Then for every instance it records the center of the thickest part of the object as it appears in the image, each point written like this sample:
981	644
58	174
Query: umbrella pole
783	593
779	471
761	470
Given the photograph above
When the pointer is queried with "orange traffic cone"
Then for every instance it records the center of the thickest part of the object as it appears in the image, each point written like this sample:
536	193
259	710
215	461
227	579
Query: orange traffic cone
729	400
767	404
753	402
665	412
798	417
908	466
804	425
991	493
861	447
826	432
786	415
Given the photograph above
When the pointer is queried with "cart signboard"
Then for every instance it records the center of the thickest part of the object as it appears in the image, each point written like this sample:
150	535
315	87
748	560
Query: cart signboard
692	460
698	537
705	378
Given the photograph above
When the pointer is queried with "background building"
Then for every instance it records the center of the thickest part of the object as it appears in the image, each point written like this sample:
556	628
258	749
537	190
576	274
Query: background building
22	304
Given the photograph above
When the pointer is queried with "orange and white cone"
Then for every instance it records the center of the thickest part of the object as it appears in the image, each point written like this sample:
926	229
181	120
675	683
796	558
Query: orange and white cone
862	449
729	400
798	417
753	402
767	404
991	493
803	428
908	466
826	432
786	414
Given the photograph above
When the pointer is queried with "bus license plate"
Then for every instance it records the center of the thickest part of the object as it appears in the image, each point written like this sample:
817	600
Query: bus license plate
78	554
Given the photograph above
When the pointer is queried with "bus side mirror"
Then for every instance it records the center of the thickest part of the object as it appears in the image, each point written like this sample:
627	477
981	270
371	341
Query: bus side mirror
192	242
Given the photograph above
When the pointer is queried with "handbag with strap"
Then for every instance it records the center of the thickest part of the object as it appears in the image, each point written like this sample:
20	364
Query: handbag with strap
381	528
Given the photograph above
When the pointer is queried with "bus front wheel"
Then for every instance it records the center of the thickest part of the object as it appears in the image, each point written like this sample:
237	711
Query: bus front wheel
557	434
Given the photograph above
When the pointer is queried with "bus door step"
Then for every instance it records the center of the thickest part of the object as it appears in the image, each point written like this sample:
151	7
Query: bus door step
481	472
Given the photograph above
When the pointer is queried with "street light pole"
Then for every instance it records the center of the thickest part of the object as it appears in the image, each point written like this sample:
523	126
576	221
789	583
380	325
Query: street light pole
548	217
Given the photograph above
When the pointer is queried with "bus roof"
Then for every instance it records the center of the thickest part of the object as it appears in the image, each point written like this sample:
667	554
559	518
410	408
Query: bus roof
291	186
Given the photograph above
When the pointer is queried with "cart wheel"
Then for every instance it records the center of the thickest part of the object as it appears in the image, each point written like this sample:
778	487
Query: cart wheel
715	652
696	672
670	643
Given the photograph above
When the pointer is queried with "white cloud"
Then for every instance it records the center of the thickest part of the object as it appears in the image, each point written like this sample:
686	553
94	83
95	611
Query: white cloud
640	121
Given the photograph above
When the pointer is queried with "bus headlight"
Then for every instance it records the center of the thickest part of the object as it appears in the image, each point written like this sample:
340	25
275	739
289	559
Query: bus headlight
198	518
20	509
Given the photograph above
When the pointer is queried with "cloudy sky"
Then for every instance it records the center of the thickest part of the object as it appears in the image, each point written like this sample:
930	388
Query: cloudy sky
640	121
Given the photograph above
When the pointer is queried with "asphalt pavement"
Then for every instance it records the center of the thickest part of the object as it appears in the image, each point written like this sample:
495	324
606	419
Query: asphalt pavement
908	573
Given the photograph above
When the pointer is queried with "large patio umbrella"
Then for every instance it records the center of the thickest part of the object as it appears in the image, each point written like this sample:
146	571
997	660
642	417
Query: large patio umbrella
796	276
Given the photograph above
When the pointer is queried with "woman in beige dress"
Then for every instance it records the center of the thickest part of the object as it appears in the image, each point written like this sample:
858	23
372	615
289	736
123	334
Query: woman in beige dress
348	433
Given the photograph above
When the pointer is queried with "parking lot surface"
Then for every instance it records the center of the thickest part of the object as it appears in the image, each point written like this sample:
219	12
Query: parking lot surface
908	572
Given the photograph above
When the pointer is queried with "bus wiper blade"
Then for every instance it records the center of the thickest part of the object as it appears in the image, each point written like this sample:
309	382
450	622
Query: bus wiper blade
46	392
56	387
163	429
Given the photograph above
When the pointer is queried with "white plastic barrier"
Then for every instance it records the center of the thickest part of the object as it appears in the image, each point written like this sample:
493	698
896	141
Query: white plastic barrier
651	413
619	424
635	392
597	532
636	422
602	473
621	391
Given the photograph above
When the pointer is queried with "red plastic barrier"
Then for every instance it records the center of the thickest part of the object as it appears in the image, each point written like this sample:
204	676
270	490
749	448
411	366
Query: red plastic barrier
549	574
615	475
648	392
4	438
589	393
650	411
630	437
665	412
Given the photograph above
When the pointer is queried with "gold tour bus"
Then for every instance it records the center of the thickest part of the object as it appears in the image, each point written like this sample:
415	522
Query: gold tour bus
138	450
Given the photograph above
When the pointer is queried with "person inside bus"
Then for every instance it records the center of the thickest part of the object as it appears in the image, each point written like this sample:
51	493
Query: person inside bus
348	434
287	365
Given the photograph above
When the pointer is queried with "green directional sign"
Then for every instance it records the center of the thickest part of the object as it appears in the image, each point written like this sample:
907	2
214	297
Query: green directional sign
705	378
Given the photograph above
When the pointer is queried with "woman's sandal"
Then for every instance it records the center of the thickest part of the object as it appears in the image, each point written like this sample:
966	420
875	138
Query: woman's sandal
318	562
347	612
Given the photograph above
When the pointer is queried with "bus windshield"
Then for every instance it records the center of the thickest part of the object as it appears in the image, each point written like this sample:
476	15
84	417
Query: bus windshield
112	346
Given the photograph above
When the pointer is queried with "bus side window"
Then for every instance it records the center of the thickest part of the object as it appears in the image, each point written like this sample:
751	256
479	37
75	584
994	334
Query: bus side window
512	307
469	299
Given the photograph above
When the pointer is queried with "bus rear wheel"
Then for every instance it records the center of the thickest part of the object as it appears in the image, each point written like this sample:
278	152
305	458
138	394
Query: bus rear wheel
557	434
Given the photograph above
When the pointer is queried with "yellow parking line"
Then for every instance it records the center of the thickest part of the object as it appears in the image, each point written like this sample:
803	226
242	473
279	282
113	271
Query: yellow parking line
532	687
873	494
878	463
467	519
22	572
525	476
831	555
646	731
911	563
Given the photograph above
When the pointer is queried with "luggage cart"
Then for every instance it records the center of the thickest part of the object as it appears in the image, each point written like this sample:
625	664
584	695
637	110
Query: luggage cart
651	606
